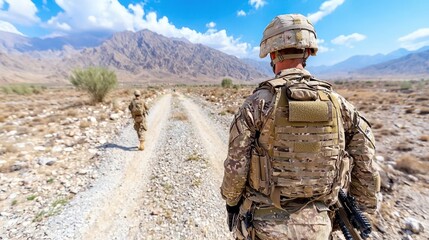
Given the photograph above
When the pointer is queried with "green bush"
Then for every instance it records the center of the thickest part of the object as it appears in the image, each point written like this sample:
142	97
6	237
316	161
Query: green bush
226	83
406	85
97	81
22	89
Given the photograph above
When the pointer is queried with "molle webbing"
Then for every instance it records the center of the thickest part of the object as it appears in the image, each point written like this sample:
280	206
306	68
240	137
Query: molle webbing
304	146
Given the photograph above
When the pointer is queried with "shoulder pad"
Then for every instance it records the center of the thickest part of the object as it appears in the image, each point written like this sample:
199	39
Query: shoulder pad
320	83
273	83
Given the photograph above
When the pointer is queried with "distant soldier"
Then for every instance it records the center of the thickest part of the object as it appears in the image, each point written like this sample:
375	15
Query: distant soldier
139	110
293	145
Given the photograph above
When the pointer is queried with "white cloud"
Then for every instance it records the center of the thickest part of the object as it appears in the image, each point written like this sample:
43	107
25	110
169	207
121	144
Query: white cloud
83	15
415	40
18	12
257	3
8	27
211	25
325	9
241	13
321	48
348	40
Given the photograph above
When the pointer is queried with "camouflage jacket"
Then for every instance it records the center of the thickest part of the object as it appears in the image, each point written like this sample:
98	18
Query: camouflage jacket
141	104
359	144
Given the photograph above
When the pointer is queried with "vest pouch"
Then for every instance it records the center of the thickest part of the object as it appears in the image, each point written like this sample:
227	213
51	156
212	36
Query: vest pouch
345	171
258	174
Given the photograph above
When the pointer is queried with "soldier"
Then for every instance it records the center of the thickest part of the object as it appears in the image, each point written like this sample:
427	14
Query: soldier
139	111
293	145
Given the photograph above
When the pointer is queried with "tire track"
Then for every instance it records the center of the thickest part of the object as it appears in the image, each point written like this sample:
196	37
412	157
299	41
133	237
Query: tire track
216	148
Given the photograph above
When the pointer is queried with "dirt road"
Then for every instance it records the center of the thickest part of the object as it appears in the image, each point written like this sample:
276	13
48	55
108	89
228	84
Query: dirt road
170	190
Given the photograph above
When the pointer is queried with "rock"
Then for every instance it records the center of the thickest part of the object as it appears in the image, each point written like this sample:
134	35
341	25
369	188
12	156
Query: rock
114	116
82	172
11	133
412	178
57	149
407	237
413	225
46	161
92	151
379	158
17	166
92	119
68	149
5	214
39	148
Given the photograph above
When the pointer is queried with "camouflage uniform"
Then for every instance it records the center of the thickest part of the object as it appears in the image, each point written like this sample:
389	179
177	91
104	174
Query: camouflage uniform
299	218
139	118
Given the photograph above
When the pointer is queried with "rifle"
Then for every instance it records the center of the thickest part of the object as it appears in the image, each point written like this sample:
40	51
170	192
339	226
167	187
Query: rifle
351	220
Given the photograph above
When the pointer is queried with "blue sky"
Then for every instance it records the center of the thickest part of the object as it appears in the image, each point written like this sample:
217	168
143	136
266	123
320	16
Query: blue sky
344	27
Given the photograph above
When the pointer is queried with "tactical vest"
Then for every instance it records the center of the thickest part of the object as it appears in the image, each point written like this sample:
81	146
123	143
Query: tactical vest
300	149
137	108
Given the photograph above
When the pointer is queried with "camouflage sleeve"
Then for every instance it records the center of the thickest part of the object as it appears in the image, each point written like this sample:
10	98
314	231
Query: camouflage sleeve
360	145
237	162
130	106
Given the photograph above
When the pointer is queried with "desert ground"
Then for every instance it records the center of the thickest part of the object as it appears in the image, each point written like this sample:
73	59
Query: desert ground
70	169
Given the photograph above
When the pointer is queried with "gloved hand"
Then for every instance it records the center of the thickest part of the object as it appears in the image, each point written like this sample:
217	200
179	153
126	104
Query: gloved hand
232	215
233	209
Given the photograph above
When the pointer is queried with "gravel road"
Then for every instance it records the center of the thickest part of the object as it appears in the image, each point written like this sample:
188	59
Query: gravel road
168	191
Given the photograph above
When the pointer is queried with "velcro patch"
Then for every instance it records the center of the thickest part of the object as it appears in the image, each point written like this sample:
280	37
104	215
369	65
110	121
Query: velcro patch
309	111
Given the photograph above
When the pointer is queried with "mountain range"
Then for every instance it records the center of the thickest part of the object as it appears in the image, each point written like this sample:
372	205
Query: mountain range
147	57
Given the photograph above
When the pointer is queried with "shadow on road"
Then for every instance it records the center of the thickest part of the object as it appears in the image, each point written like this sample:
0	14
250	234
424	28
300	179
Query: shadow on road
114	145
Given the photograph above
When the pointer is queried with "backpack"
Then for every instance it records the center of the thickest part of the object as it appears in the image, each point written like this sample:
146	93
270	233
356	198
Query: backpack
304	143
137	108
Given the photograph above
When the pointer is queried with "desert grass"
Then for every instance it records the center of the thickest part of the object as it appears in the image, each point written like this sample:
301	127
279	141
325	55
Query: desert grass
410	164
22	89
424	111
6	166
404	147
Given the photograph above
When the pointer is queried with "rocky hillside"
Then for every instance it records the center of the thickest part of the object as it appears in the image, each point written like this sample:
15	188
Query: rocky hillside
143	57
409	65
146	54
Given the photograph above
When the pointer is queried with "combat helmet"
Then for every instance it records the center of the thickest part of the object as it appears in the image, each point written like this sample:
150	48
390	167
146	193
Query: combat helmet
137	93
288	31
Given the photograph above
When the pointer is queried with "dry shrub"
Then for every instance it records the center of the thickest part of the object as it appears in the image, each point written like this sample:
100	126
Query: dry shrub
404	147
424	138
409	110
10	148
116	105
421	99
180	116
424	111
385	108
71	113
3	118
377	125
103	117
411	164
231	109
84	124
5	167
